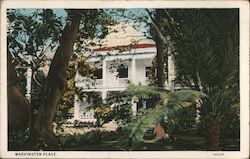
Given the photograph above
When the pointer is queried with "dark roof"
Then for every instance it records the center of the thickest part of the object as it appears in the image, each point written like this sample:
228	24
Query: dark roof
135	46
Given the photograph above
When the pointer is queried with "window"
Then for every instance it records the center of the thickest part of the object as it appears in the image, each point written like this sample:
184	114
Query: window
98	73
147	71
145	103
122	72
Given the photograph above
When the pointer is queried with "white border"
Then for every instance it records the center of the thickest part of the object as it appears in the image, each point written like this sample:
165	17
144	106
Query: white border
244	77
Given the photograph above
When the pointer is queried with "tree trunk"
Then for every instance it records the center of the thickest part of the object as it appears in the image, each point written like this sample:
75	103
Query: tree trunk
32	116
160	50
159	132
160	80
18	108
56	82
159	62
212	124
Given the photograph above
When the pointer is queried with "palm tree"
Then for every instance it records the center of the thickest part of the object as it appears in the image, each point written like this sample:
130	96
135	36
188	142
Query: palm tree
207	59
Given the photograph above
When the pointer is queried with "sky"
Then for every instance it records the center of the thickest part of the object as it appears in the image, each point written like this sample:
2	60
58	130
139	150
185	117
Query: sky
114	39
59	12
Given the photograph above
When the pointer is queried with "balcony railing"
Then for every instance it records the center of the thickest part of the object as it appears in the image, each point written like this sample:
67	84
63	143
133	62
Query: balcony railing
99	81
123	81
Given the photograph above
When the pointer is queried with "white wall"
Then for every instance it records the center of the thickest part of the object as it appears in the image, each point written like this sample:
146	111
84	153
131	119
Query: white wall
141	65
112	80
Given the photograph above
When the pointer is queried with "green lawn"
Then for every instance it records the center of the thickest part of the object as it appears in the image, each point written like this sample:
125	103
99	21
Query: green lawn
108	141
187	142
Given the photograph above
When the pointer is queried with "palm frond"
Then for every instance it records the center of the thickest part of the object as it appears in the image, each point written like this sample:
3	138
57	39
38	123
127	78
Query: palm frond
145	91
169	105
142	123
188	95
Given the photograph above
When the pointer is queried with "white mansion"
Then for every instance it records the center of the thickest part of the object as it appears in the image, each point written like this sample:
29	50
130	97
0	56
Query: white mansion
137	61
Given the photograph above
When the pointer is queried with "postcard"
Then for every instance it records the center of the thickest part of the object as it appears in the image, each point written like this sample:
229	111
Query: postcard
124	79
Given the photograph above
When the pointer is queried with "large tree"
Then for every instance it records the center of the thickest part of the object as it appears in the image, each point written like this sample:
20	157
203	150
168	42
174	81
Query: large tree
152	20
156	30
56	80
89	35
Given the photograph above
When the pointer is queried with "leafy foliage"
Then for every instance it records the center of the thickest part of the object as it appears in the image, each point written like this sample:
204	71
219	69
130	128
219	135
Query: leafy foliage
30	37
169	104
103	115
206	44
32	34
145	92
185	122
208	56
93	137
94	27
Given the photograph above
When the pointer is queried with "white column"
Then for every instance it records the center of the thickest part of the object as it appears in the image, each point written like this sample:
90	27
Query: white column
104	73
76	108
29	78
104	96
133	71
171	72
104	80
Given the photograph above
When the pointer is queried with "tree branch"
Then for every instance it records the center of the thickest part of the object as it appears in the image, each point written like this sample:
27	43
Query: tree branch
157	29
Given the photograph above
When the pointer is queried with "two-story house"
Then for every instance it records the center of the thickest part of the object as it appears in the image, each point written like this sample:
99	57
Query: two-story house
137	61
